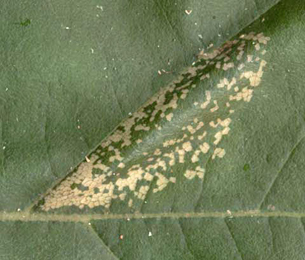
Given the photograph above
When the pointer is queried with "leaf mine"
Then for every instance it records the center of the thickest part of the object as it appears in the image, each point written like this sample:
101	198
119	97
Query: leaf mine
162	137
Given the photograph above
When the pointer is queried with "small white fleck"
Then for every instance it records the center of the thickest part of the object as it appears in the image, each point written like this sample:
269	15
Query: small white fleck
200	36
67	28
18	209
100	7
188	12
149	234
3	147
6	89
92	51
89	224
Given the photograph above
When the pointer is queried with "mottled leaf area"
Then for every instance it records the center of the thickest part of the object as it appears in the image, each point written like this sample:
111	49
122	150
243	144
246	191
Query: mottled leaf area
143	153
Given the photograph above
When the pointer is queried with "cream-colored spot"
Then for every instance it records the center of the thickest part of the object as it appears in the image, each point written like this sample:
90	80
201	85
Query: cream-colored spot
187	146
169	116
200	137
195	158
157	152
122	196
208	100
121	165
240	55
172	179
219	152
191	129
241	66
257	47
142	127
199	126
204	147
190	174
139	141
214	108
227	66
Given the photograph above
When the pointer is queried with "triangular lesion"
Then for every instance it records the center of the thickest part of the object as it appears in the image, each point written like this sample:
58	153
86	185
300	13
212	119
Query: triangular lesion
182	124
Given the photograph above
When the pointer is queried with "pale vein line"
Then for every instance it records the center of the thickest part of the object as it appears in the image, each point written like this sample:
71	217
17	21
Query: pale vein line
234	241
86	218
278	173
185	240
102	242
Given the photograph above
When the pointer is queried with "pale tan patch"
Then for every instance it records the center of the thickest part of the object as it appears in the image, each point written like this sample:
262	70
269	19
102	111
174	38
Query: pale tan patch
121	165
215	108
169	117
133	179
208	100
187	146
219	152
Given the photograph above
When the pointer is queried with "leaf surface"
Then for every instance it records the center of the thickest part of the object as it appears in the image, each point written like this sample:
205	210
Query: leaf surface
71	71
166	185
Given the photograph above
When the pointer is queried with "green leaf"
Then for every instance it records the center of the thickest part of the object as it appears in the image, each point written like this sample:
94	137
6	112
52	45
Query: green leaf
210	167
79	68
